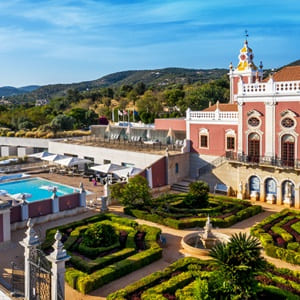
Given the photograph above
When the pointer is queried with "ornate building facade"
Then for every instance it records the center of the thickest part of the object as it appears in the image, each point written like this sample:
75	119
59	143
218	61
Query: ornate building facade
257	132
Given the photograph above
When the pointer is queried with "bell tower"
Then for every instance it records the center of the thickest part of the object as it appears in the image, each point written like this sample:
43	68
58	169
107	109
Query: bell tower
246	70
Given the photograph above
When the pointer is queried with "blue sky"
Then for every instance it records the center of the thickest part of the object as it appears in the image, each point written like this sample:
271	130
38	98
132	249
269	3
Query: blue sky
60	41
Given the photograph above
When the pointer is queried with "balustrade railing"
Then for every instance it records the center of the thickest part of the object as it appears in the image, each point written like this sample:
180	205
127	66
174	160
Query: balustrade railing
264	160
213	115
282	87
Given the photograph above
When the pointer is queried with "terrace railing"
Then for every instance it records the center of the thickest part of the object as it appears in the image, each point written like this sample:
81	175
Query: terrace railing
263	160
212	115
270	87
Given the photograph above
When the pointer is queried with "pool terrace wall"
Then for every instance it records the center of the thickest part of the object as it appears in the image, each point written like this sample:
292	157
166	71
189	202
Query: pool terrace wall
69	201
15	214
39	208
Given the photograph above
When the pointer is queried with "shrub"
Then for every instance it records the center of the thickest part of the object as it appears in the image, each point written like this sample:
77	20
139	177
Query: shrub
88	283
296	226
99	234
198	194
10	134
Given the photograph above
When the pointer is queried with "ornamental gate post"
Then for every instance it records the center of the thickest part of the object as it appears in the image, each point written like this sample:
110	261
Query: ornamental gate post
30	243
58	258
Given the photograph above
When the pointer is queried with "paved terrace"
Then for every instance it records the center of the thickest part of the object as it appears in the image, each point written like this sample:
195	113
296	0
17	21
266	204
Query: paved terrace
140	146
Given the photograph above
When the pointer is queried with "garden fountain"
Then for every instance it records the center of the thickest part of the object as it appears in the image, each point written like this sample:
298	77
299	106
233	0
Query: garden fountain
199	243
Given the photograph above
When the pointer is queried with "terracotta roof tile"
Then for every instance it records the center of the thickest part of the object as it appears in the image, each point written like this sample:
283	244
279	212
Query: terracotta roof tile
291	73
222	107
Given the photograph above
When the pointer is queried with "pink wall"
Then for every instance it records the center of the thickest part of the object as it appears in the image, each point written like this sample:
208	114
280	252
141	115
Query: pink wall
165	124
216	139
39	208
68	202
159	173
279	108
260	107
15	214
1	228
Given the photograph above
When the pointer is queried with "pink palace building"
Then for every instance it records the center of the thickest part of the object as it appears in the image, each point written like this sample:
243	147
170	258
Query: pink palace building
251	144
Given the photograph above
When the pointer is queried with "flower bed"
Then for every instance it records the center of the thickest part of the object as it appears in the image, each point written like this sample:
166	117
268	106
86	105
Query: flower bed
178	281
169	210
279	235
91	265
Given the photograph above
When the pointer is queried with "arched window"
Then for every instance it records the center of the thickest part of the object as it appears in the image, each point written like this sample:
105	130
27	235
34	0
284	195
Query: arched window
253	147
288	150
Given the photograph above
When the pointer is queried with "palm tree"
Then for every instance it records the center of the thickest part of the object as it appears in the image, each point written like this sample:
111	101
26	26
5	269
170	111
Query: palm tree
237	263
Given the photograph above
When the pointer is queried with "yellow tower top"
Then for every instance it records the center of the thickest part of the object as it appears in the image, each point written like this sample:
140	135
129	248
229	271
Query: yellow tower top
246	59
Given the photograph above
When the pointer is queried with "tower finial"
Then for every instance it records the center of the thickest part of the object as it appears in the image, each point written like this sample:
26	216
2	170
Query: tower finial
246	34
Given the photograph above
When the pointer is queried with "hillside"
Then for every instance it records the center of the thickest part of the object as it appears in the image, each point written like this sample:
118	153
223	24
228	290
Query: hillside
10	90
156	78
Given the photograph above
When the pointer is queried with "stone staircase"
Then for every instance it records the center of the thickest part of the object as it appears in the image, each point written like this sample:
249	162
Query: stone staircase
182	186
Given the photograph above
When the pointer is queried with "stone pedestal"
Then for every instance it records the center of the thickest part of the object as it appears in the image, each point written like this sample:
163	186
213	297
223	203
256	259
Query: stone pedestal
287	201
82	195
30	242
254	196
104	207
58	259
24	211
271	198
55	202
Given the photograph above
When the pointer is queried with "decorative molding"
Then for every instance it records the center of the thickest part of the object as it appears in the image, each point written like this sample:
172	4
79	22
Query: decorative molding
254	113
203	131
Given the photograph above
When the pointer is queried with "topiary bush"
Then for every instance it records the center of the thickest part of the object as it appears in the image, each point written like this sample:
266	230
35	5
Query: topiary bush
100	235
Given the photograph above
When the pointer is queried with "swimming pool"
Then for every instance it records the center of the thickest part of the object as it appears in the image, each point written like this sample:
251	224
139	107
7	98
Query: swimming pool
39	188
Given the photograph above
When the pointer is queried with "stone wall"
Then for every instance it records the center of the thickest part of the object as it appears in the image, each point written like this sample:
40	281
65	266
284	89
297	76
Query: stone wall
176	174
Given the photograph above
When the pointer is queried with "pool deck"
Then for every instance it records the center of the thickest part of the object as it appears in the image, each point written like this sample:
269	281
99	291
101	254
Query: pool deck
13	251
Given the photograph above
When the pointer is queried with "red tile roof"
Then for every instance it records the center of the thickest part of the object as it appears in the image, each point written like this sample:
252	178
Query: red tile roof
291	73
222	107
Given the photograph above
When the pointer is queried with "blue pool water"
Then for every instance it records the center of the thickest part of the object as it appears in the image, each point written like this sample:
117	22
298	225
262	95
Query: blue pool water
37	187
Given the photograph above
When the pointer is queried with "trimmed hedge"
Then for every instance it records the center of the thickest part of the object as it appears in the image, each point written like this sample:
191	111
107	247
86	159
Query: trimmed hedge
156	277
91	274
101	262
170	286
179	279
290	255
195	222
88	283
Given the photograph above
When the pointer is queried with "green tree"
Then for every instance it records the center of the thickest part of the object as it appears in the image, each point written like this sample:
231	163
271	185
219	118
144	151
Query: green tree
173	96
140	88
237	263
83	117
198	194
135	193
62	122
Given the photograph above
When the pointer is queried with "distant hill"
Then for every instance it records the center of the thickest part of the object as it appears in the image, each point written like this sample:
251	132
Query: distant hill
10	90
158	77
294	63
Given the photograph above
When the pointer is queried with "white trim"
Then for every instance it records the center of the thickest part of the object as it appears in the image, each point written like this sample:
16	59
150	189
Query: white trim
203	133
220	122
230	133
260	133
292	133
287	179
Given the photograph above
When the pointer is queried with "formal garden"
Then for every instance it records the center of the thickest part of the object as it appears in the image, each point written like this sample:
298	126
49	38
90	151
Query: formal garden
185	210
103	248
280	235
236	271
